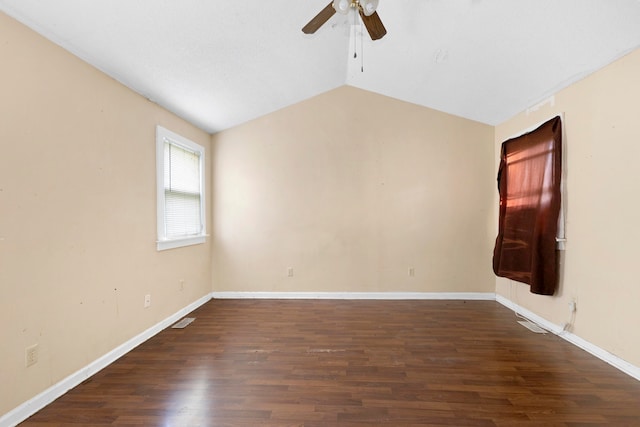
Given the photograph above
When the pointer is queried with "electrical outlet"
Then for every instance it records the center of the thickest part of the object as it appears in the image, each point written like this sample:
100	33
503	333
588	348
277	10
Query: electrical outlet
412	272
572	306
290	272
147	301
182	284
31	355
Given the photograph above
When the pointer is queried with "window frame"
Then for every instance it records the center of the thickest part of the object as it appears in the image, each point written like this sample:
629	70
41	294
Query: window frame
163	242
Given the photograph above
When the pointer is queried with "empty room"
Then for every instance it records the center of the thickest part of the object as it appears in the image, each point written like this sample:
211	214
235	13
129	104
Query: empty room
318	213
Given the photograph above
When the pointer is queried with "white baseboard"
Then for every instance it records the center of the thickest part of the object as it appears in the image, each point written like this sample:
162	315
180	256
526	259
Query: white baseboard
487	296
600	353
38	402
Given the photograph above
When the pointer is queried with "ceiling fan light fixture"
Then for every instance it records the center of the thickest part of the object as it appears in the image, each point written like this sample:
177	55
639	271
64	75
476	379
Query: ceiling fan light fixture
365	8
369	6
342	6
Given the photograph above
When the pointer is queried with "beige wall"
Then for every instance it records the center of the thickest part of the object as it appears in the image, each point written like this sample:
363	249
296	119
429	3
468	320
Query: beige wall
351	189
78	216
603	209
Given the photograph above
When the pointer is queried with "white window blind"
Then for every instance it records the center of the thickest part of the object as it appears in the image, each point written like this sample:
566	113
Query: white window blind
180	191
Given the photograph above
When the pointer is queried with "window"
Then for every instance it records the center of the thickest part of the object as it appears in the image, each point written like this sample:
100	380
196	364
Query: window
180	180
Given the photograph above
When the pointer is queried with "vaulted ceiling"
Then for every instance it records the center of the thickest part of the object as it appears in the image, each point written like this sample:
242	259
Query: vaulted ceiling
219	63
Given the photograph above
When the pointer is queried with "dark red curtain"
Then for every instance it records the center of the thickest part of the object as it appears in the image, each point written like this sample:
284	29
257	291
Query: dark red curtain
529	186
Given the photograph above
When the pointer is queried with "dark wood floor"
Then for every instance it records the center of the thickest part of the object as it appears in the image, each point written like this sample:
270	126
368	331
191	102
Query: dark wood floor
351	363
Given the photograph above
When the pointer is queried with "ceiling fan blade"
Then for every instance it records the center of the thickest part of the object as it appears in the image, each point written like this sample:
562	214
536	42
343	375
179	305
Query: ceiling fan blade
374	25
319	19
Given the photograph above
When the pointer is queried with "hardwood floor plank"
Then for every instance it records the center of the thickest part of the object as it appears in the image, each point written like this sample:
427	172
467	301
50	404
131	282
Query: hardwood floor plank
350	363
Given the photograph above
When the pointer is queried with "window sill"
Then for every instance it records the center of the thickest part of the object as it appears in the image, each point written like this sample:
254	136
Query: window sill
178	243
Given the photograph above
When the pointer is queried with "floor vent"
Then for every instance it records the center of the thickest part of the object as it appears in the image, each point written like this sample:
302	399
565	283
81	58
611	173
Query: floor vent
532	327
183	323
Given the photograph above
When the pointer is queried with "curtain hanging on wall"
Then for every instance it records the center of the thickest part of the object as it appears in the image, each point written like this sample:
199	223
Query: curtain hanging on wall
529	186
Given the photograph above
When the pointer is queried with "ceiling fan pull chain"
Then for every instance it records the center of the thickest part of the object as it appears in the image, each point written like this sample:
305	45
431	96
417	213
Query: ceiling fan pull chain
355	34
361	48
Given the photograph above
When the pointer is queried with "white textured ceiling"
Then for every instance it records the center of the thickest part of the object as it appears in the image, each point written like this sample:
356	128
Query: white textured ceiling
220	63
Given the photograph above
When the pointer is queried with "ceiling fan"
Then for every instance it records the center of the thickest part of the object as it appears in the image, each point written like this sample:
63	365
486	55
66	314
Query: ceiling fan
366	9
